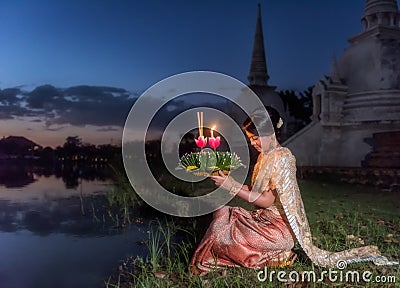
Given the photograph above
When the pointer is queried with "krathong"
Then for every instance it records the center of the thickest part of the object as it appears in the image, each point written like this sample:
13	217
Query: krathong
205	163
208	162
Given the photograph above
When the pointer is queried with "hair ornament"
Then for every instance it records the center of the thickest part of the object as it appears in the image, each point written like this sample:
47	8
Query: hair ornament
280	123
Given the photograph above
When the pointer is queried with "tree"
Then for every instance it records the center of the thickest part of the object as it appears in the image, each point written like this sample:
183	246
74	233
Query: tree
306	102
299	106
71	148
72	142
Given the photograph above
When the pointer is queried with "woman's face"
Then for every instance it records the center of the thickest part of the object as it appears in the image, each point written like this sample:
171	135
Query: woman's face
261	143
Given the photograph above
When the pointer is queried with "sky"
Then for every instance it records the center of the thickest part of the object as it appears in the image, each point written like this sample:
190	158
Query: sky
73	67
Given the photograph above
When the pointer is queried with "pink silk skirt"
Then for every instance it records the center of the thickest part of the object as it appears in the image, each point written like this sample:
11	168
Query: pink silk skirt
237	237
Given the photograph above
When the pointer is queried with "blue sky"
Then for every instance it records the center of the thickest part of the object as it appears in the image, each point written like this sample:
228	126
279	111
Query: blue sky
131	44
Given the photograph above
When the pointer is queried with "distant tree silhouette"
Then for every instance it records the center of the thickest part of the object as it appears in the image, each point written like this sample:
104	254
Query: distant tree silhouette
73	142
299	106
306	103
187	144
83	154
70	149
47	156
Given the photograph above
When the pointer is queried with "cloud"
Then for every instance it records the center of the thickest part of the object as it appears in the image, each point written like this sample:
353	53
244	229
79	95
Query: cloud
104	107
77	105
94	93
15	111
44	97
9	96
92	105
53	129
11	104
107	129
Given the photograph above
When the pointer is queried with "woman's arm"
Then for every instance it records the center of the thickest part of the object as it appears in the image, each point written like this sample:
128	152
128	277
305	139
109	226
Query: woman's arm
264	199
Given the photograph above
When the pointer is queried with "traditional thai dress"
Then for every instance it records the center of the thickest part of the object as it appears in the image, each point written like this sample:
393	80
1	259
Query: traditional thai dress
264	237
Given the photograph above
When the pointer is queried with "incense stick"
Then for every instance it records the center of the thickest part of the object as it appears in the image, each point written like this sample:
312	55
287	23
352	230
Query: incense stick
201	124
198	122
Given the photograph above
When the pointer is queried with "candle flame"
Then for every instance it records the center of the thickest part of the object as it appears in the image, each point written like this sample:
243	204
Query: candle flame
212	131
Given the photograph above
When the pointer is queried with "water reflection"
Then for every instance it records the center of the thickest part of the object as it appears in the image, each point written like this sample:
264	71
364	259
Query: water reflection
67	216
13	176
54	233
59	260
47	189
17	174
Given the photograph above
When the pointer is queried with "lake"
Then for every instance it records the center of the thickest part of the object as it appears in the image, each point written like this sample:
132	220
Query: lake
52	232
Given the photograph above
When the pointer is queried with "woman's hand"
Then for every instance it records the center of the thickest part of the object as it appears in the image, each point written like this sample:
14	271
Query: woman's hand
263	200
225	181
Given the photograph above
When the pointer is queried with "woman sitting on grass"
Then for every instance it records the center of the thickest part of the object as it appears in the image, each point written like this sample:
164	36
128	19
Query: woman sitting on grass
265	236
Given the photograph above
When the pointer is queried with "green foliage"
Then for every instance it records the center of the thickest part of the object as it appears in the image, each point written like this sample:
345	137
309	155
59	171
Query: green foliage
188	161
210	161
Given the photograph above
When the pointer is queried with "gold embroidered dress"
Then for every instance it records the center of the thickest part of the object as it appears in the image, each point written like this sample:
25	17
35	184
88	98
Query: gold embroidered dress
265	237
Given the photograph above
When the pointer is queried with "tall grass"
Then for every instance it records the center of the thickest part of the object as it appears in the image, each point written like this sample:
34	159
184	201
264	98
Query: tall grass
122	199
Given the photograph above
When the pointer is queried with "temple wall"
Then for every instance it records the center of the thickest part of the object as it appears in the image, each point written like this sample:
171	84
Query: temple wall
305	145
331	146
382	105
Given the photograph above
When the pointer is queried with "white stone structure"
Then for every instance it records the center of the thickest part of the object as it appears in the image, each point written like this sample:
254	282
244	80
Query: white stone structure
359	98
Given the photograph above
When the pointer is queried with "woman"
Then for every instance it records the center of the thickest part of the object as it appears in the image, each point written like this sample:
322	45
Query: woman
265	236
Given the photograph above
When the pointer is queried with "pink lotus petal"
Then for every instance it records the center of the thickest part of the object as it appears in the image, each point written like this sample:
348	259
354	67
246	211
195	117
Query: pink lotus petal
201	142
214	142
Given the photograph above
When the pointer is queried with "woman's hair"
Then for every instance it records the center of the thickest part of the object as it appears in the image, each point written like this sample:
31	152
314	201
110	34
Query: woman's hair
260	120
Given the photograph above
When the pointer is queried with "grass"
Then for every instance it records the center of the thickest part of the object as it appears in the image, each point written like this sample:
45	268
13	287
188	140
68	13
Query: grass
121	199
341	216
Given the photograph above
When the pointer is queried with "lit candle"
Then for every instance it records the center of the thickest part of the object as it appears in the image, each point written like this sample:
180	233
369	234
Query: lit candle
212	131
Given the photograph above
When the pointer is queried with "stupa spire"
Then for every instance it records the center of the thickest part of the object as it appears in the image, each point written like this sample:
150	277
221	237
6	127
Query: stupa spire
258	69
335	76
